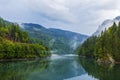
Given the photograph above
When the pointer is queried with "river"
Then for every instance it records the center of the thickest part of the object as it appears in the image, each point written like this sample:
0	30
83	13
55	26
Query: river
66	67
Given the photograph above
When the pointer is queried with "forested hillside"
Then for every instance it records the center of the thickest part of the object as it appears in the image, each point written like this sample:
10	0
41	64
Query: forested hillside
59	41
15	43
105	47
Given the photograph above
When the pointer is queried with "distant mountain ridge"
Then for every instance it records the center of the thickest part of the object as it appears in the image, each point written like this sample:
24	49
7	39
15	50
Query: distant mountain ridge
106	24
60	41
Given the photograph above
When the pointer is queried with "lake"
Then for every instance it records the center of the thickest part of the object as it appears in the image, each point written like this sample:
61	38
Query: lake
67	67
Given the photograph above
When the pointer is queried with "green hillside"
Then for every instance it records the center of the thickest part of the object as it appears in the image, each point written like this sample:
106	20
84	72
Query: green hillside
15	43
105	48
59	41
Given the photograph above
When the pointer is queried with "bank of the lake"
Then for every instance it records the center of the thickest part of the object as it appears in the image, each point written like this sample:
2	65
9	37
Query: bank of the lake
17	44
105	48
58	68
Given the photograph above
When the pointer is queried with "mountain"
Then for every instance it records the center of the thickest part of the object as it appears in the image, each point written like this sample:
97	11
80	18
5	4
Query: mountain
106	24
59	41
16	44
105	48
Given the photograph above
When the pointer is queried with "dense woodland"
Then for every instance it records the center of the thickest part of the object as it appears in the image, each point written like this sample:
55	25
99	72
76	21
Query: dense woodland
15	43
105	46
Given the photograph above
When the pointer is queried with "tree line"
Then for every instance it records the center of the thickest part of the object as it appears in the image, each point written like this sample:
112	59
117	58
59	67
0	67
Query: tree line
15	43
104	46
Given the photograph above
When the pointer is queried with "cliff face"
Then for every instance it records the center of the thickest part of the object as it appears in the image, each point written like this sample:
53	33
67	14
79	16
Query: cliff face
106	24
104	47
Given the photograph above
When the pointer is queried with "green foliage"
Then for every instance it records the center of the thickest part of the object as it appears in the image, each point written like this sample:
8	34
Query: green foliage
104	46
15	43
88	47
59	44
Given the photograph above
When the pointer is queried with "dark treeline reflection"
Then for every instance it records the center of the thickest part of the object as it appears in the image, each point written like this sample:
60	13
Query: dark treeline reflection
101	72
21	70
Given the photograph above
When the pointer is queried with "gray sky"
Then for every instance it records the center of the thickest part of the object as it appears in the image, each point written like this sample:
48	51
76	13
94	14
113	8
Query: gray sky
82	16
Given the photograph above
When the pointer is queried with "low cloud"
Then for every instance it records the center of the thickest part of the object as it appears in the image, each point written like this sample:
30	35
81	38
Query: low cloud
81	16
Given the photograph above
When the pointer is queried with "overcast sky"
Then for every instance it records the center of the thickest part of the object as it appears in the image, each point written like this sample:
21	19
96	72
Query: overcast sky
83	16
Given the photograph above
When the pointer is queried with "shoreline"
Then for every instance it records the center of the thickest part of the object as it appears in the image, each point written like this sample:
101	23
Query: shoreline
117	62
22	59
15	59
101	61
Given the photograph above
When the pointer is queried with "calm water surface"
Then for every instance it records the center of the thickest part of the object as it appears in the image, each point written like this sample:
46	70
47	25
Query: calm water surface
66	67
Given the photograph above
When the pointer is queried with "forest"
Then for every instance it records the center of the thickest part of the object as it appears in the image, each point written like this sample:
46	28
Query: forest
15	43
59	41
105	47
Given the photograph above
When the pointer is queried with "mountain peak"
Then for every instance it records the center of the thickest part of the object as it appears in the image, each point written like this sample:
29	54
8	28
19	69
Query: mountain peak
117	18
106	24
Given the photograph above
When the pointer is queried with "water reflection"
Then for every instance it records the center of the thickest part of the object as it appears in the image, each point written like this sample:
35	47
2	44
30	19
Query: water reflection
67	68
46	69
59	69
20	70
102	72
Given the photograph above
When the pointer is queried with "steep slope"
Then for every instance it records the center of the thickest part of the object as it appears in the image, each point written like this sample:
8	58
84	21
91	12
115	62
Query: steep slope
106	24
59	41
105	48
15	43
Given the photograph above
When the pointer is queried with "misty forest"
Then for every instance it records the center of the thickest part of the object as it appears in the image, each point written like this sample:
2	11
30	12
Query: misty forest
59	40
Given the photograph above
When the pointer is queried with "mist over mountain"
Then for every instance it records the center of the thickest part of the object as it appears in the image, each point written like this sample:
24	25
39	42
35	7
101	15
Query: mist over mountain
103	45
106	24
60	41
